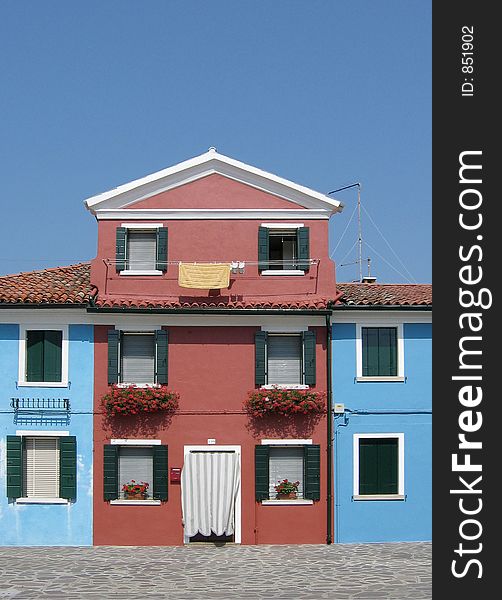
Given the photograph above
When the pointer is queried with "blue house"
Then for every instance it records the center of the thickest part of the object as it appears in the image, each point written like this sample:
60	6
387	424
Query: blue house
381	359
46	421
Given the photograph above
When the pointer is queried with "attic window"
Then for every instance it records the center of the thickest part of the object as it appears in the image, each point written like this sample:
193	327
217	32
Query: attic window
141	249
283	249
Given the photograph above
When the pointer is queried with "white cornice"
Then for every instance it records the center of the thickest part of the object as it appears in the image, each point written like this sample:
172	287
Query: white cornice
211	213
209	163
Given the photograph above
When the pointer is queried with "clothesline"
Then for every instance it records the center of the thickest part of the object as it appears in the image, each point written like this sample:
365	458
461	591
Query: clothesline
310	261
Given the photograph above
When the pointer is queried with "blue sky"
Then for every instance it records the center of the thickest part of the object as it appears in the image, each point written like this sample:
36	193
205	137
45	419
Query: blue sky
325	93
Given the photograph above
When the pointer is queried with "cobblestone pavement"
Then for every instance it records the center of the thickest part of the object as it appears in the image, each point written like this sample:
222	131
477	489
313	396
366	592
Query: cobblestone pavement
399	571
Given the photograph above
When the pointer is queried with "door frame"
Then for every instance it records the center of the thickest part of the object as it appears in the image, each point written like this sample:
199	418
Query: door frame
237	509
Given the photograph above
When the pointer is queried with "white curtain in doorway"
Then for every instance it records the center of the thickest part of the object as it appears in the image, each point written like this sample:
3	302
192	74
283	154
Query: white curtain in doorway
209	485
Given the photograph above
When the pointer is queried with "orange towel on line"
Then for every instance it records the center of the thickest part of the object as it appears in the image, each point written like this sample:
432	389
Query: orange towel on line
204	277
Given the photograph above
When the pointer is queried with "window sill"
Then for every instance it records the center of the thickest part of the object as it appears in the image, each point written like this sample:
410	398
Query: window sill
135	502
138	385
380	497
282	272
292	502
42	501
141	272
285	386
58	384
382	378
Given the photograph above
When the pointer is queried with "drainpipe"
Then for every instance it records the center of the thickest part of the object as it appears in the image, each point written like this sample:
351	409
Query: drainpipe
329	461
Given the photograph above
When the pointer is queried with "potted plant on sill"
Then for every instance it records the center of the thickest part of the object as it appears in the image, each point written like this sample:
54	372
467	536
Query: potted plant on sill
135	491
287	490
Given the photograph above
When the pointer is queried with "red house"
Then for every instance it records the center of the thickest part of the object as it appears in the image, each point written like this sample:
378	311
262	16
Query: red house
210	297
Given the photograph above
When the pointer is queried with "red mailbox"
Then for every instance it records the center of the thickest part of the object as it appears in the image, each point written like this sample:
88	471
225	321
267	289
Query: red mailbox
175	475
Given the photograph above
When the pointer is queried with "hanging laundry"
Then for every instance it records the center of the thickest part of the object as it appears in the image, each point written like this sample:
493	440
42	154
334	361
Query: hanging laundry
204	277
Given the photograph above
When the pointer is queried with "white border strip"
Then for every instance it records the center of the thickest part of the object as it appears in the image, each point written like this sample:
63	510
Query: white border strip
29	433
131	442
400	348
286	442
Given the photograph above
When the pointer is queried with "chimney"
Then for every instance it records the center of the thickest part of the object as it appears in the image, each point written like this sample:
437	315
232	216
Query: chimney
368	279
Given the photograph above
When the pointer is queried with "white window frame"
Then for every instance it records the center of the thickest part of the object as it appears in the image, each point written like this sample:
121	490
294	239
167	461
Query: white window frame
283	272
23	329
141	227
280	330
400	351
400	468
35	434
291	502
134	442
138	329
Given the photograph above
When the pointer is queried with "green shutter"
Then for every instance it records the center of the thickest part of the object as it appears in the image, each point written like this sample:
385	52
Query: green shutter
113	356
160	472
303	242
34	355
260	343
68	467
379	351
110	472
309	355
14	466
261	469
161	262
53	343
161	342
120	248
312	465
378	466
263	249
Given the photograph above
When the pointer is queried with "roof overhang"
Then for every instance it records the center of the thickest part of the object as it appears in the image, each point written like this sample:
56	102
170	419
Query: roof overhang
209	163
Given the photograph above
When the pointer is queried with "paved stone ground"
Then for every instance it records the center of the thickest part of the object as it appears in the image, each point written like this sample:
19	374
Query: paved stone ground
398	571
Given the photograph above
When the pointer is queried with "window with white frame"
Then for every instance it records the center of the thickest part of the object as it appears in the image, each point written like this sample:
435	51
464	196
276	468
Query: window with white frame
379	466
137	357
283	248
135	466
43	356
141	249
286	463
380	352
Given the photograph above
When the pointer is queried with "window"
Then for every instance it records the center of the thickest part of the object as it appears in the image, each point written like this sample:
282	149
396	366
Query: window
137	357
380	352
41	468
141	250
277	460
138	460
43	356
378	466
285	359
283	250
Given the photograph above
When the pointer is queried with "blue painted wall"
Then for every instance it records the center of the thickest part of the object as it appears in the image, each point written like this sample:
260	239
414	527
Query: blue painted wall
406	408
46	524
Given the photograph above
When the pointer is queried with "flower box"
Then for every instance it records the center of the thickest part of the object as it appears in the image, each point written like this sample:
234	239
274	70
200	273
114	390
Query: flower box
286	490
283	401
135	491
133	400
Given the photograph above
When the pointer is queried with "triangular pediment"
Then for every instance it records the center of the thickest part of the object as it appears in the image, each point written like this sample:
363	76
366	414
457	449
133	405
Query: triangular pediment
210	163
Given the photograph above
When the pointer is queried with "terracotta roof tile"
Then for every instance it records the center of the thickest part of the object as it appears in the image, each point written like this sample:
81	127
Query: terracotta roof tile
388	294
60	285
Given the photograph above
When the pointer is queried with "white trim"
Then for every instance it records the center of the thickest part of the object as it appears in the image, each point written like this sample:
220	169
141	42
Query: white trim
201	166
291	502
282	225
142	225
400	468
389	318
237	513
135	502
206	214
133	442
285	386
34	500
288	442
284	328
282	272
56	317
124	384
32	433
23	328
380	497
137	273
400	349
135	327
383	378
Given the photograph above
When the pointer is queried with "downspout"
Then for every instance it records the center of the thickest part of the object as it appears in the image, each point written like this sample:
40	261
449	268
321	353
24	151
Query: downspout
329	461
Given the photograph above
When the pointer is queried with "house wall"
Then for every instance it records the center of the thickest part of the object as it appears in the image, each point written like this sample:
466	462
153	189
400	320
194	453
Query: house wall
212	368
49	524
213	241
406	408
